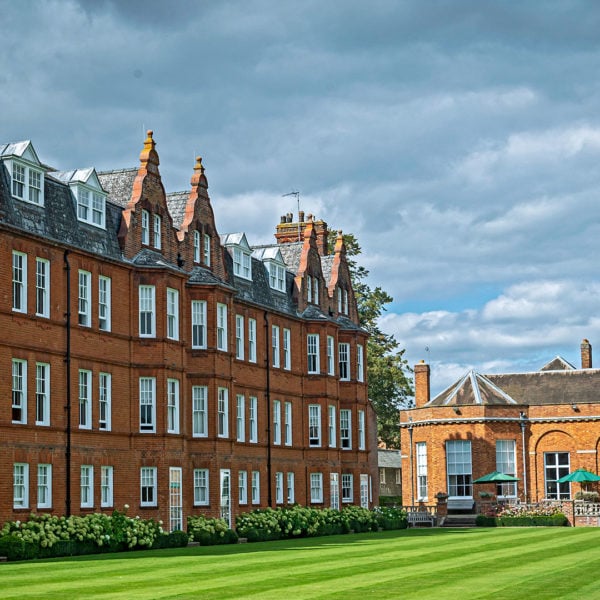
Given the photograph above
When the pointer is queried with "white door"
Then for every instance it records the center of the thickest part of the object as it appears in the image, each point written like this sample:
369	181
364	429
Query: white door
226	496
175	504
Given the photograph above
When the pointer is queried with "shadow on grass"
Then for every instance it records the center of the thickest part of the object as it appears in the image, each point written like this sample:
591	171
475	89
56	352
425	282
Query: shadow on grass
303	543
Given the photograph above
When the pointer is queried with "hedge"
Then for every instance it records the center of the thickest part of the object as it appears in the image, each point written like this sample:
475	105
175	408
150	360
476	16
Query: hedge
556	520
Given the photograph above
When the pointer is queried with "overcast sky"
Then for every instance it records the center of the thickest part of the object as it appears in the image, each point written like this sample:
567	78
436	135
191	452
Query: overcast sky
459	141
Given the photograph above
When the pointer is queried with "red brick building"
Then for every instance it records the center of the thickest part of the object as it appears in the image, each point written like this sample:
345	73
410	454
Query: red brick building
535	426
149	361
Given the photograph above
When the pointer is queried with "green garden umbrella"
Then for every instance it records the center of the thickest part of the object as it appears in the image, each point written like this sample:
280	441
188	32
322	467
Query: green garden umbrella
496	477
581	475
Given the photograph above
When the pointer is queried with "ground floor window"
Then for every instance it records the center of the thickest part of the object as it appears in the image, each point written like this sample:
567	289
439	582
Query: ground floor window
459	468
421	448
506	463
316	488
556	465
364	490
334	491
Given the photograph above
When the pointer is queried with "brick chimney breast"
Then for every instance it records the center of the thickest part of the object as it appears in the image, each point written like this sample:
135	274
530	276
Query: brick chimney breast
586	354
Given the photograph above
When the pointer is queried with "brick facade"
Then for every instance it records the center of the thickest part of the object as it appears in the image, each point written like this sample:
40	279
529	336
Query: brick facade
166	246
547	424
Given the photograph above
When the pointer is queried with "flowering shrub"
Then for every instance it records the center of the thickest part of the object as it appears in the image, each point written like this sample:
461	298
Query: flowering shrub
46	535
209	532
523	515
301	521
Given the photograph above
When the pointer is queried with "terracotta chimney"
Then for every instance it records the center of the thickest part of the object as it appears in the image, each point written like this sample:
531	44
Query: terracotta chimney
422	389
586	354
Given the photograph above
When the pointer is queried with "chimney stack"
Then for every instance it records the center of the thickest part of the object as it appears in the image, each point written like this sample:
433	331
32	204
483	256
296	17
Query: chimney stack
586	354
422	388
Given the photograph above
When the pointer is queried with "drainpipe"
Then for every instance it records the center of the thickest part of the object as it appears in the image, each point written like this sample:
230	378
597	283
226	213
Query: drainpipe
268	399
523	425
68	387
412	465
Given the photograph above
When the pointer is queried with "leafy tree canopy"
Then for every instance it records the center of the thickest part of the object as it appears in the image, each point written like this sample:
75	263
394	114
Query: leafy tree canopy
390	386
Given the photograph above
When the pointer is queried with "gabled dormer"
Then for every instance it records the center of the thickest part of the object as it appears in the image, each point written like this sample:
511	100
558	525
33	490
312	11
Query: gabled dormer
241	253
340	282
25	170
90	197
273	260
309	275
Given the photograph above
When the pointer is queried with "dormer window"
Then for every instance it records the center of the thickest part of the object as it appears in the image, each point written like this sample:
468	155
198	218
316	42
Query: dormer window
207	249
315	290
342	298
91	206
240	251
27	183
309	289
277	276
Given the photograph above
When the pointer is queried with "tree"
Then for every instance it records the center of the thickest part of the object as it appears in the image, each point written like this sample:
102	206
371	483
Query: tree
390	387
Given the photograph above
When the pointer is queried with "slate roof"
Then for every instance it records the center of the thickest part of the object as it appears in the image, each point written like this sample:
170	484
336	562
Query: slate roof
118	184
388	459
57	219
291	253
566	385
176	203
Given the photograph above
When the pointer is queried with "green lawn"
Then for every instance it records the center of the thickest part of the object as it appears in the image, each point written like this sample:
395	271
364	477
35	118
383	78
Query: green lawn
457	564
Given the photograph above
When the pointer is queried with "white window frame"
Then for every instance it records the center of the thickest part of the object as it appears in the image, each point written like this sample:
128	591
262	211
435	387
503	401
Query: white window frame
242	266
104	401
106	486
239	337
316	299
173	421
276	422
361	430
42	287
222	412
199	411
148	486
91	206
20	485
344	361
104	302
172	314
19	282
506	462
287	349
86	486
221	327
314	425
242	487
334	491
252	340
84	298
19	391
364	490
360	363
312	351
157	232
147	387
332	426
279	487
291	488
240	410
256	487
42	394
345	429
201	487
275	350
27	182
253	419
44	485
198	308
147	310
316	488
197	253
459	468
309	289
422	483
206	257
85	399
347	488
145	227
287	423
330	355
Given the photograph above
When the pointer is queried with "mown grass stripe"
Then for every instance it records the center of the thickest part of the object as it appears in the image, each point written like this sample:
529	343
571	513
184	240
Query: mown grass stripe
476	563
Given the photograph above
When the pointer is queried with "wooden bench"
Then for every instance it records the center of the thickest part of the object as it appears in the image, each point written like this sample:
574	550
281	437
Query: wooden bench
416	517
